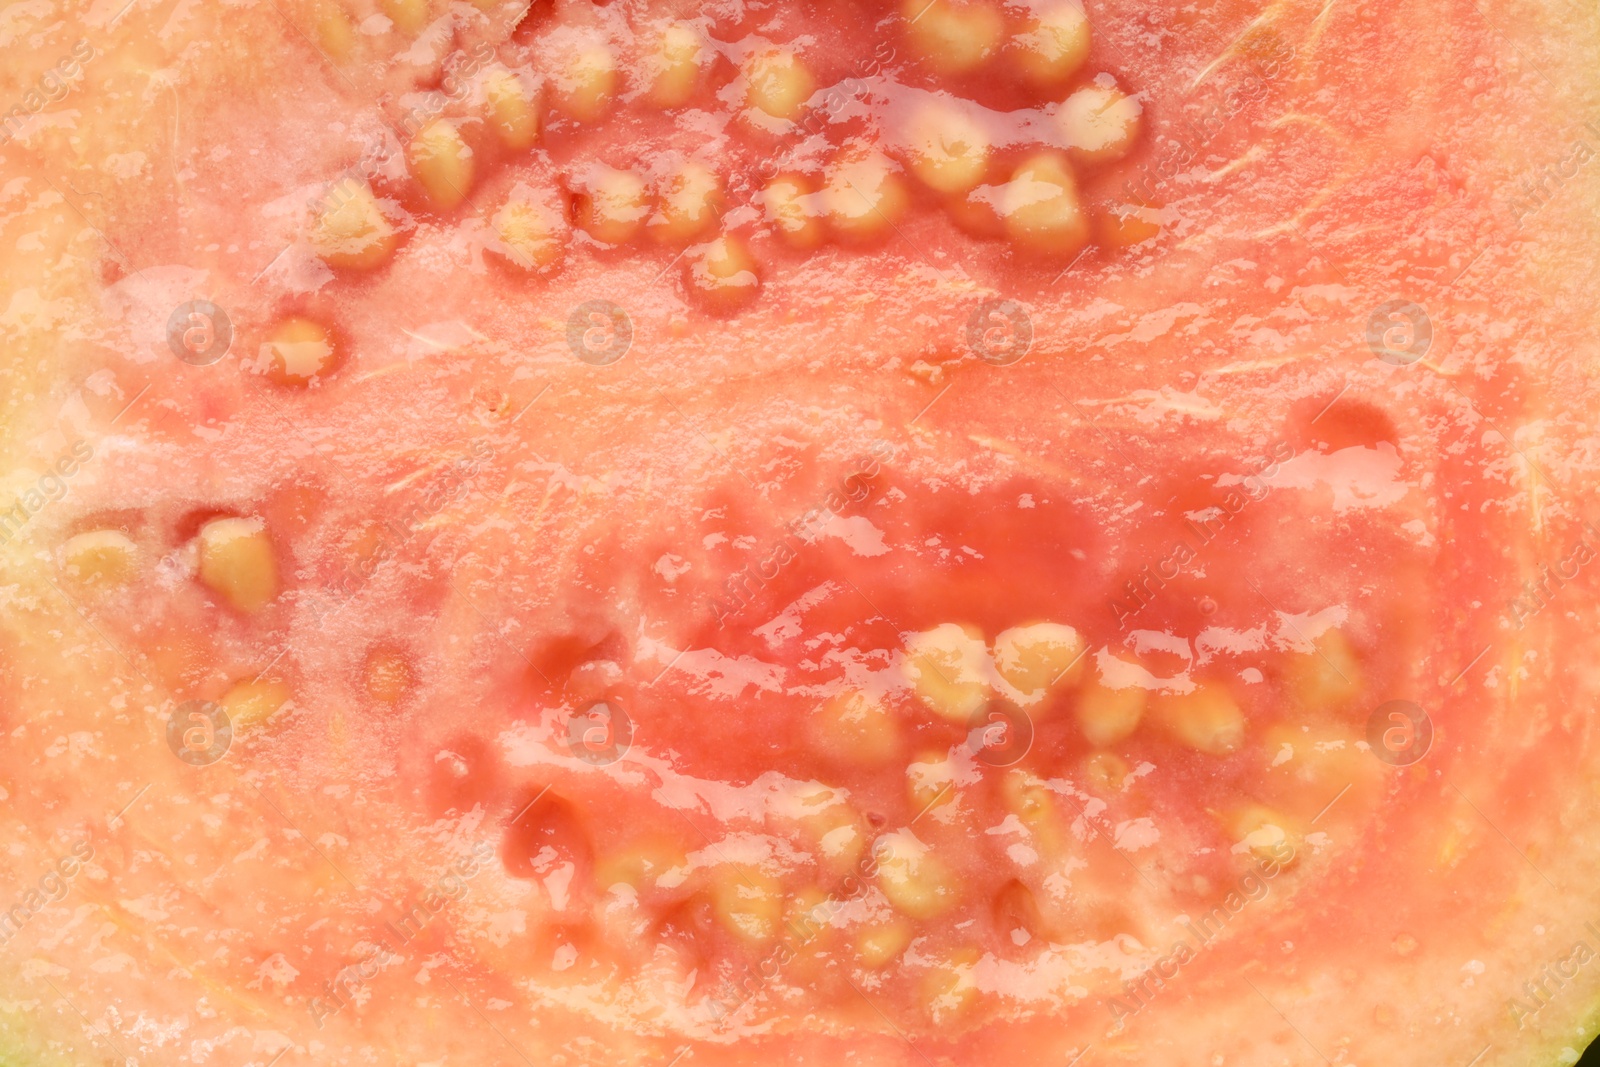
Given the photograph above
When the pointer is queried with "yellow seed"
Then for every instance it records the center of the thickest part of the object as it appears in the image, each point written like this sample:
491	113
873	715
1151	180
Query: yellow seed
833	829
387	676
1040	655
1328	677
335	32
351	231
749	904
1206	719
513	108
724	273
615	206
953	36
1040	208
1105	772
680	57
778	83
1023	794
792	209
1099	123
642	866
854	728
1106	715
931	781
1303	767
237	562
878	945
408	16
1027	797
916	881
99	557
1268	835
950	987
1054	44
948	150
298	351
249	704
690	205
442	162
864	196
531	236
586	82
947	668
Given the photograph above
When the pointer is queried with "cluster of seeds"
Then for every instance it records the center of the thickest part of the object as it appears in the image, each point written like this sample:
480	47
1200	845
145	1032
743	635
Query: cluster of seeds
736	151
869	879
864	886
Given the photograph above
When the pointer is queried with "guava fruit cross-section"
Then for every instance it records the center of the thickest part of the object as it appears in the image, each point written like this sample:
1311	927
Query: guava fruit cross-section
958	533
